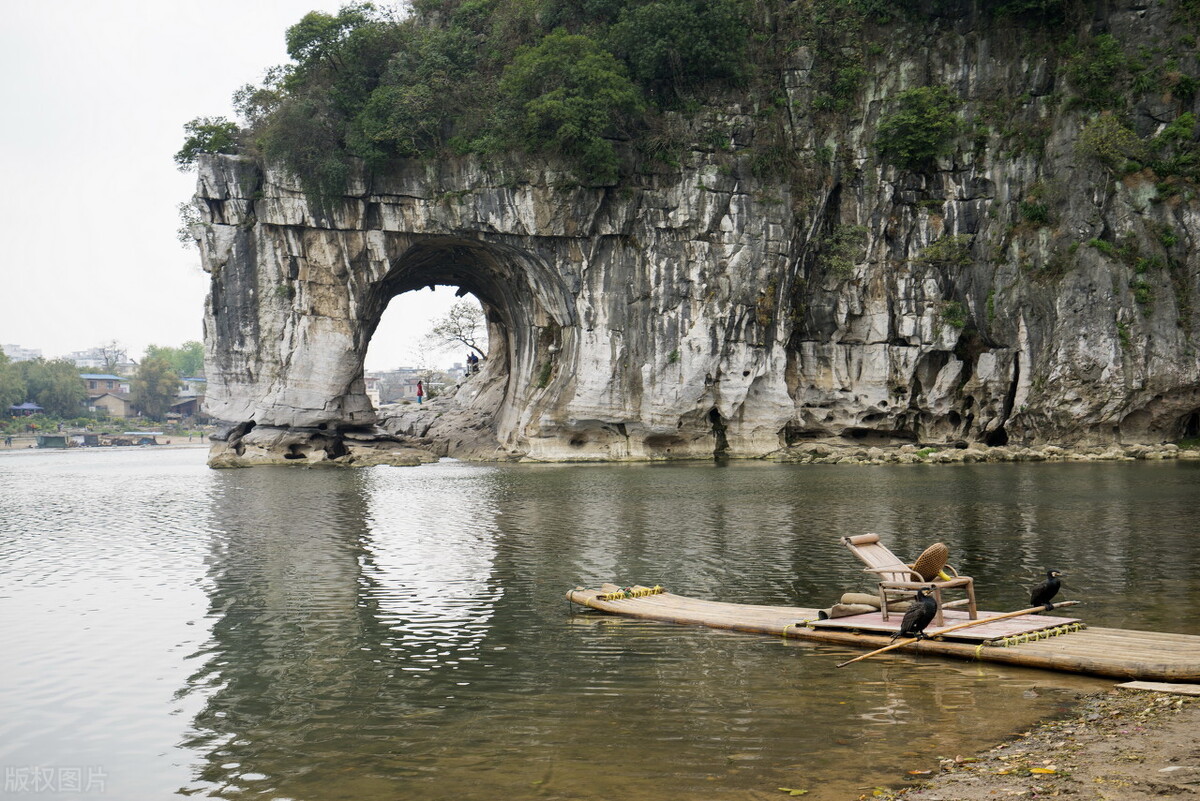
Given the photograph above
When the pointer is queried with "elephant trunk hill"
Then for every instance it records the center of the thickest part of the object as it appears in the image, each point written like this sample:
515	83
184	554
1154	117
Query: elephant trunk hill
1032	282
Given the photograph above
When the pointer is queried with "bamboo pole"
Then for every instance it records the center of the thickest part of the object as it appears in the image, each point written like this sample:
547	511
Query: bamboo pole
957	626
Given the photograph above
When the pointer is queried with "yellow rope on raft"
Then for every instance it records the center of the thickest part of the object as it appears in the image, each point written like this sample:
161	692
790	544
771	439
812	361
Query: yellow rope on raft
1032	636
807	623
630	592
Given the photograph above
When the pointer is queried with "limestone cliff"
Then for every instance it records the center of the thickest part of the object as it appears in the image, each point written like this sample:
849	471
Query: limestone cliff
1016	293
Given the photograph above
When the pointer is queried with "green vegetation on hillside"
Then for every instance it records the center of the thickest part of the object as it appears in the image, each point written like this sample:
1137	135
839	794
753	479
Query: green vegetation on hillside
565	78
576	79
921	128
566	93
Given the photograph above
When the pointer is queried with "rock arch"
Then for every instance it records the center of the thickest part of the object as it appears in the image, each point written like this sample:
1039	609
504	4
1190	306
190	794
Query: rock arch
529	314
630	319
602	320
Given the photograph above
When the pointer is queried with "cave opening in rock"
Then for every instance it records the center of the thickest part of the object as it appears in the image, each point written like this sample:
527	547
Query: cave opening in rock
721	446
1190	426
521	328
438	337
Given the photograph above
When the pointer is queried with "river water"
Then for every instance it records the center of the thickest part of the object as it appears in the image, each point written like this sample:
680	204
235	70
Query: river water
402	633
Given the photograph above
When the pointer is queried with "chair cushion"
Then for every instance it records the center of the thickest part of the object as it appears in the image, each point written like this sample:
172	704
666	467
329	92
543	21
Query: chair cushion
931	561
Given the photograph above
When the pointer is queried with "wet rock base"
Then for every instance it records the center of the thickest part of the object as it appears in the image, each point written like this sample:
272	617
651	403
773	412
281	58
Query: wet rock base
252	446
417	435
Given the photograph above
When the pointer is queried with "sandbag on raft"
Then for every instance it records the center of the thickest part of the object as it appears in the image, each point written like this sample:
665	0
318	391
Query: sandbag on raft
857	603
871	600
845	610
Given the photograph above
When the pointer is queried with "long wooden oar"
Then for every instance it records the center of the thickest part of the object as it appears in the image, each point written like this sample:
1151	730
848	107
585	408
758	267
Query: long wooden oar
956	627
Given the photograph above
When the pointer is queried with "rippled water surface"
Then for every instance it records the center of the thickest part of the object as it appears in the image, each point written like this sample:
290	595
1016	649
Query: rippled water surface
402	633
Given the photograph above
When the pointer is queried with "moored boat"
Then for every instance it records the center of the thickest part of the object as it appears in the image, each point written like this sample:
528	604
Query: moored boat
1040	641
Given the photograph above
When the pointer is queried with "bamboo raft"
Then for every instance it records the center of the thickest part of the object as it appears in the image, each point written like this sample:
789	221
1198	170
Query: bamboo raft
1047	643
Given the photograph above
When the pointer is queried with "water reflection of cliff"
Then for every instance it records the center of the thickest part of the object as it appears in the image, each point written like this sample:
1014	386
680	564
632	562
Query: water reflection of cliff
769	534
332	606
393	634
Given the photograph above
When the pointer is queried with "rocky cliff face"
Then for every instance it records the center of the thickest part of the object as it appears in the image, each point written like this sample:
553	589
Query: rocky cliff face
719	307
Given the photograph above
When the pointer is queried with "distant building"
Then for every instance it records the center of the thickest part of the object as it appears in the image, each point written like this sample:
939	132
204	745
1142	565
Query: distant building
81	358
397	385
112	404
373	387
190	400
24	409
186	407
98	383
192	387
108	395
16	353
97	358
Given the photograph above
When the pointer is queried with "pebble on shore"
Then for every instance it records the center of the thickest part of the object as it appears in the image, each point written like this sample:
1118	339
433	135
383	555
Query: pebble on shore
823	452
1122	745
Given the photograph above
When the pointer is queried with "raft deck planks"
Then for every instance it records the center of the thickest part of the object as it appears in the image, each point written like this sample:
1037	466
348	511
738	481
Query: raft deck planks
873	622
1116	653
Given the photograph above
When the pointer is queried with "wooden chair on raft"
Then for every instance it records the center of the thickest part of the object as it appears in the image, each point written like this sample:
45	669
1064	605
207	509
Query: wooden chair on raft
898	580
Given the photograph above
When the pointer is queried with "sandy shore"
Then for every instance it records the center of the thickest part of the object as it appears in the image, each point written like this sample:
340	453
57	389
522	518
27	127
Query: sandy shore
1123	745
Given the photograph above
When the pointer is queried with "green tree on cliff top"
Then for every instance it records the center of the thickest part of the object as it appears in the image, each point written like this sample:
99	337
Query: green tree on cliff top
673	46
483	76
206	135
568	95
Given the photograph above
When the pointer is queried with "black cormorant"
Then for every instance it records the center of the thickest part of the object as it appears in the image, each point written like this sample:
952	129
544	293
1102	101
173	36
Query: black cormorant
920	613
1042	593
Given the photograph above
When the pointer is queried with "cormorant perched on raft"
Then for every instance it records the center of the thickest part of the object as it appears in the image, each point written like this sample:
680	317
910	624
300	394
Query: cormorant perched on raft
920	613
1042	593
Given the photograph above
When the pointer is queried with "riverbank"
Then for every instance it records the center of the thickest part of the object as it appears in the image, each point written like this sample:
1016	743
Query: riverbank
24	443
833	452
1122	745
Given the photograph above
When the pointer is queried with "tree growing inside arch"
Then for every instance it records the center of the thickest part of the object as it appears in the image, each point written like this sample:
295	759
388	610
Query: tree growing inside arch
463	324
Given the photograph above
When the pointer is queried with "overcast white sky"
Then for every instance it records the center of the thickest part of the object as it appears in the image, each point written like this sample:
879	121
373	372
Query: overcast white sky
93	97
